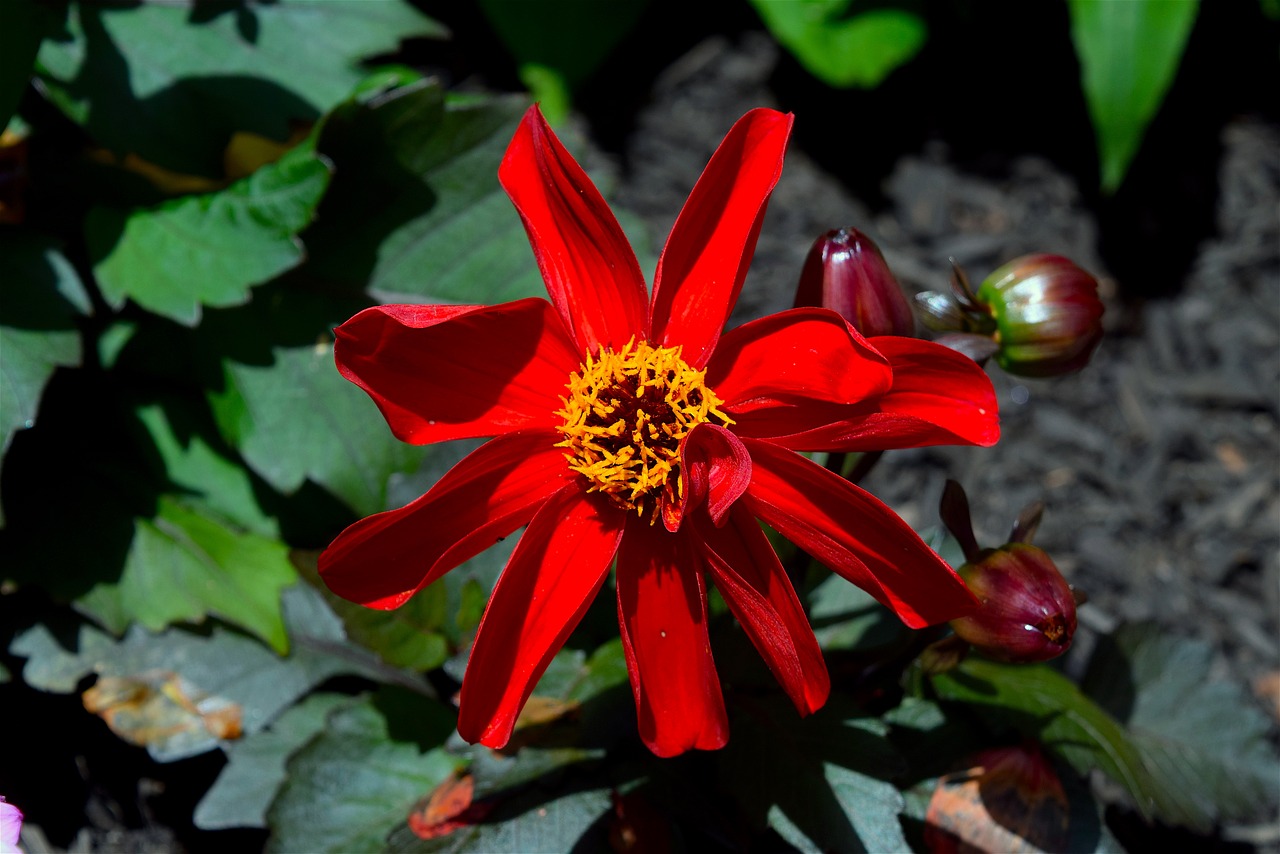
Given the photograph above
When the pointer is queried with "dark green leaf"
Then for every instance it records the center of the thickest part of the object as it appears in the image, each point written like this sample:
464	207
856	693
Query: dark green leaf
208	249
39	302
352	785
297	418
842	47
1204	741
846	617
1043	704
819	781
171	82
559	43
443	232
23	23
1129	53
256	766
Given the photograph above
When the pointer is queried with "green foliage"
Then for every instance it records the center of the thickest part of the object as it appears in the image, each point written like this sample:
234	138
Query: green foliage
220	663
183	565
23	24
841	45
1156	726
208	249
1177	716
39	303
354	781
822	782
170	82
1129	53
255	766
559	43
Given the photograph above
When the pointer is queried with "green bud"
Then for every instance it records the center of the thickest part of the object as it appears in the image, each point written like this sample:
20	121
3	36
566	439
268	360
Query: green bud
1047	313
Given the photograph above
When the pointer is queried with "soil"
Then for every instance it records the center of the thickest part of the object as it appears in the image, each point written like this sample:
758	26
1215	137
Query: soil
1158	463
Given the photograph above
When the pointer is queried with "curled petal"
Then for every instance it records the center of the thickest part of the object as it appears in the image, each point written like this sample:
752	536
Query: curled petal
384	559
793	359
938	397
662	615
546	587
747	573
706	257
589	268
855	535
716	468
454	372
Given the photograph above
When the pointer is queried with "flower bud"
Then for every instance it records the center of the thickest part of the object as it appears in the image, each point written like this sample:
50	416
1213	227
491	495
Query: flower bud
1047	312
1028	610
846	273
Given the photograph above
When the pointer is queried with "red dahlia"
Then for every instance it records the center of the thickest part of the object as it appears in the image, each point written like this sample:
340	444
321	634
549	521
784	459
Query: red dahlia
633	429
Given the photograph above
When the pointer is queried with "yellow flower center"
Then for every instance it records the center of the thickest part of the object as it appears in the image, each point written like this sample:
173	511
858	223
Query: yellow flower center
624	417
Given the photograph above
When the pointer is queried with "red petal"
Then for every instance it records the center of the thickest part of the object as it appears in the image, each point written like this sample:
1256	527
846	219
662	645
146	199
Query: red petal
939	397
589	268
747	573
662	615
794	359
384	559
706	257
716	468
546	587
854	534
454	372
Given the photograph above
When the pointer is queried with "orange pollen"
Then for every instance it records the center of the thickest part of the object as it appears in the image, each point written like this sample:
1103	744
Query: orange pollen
624	417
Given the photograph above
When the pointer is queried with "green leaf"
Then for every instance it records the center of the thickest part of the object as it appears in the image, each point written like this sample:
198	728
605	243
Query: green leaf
410	636
1042	703
255	766
843	48
1129	54
39	302
171	81
219	662
296	418
846	617
210	480
183	565
442	231
208	249
1204	740
352	785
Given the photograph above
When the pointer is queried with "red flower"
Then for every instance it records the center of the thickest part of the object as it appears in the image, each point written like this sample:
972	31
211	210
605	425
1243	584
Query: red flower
631	428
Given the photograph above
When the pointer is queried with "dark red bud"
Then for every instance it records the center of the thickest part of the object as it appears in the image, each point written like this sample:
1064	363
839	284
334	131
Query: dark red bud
1048	315
846	273
1028	611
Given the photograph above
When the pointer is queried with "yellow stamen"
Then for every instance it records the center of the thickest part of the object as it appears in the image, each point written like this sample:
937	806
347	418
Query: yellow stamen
624	416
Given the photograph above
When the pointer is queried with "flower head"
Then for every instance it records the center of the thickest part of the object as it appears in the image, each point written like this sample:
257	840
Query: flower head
630	428
10	827
846	273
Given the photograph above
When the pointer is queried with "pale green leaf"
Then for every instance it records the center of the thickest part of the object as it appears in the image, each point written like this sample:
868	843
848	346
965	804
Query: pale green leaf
841	45
1129	54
